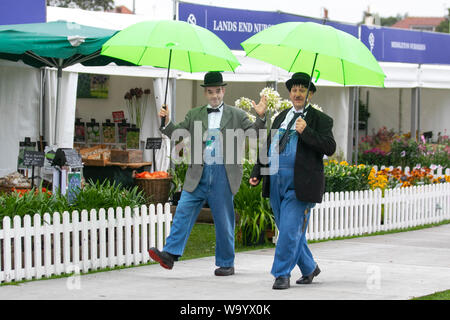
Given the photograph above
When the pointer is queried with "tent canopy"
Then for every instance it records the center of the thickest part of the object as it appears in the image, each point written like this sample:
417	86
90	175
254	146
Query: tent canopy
56	44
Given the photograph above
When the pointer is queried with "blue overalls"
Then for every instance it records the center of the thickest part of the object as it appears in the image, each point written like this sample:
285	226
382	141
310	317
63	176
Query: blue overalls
291	214
214	188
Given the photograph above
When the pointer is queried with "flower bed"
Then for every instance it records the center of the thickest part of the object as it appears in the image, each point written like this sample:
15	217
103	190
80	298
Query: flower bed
390	149
92	196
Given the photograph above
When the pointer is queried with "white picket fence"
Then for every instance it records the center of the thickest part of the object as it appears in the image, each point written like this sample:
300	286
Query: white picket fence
49	246
436	170
352	213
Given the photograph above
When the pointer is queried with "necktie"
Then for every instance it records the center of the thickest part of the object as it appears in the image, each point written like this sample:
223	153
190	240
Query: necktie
209	110
285	138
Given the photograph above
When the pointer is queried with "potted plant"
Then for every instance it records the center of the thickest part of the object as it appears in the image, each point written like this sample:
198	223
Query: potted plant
255	223
178	174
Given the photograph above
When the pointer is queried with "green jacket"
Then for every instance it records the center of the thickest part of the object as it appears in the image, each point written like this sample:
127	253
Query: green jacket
232	118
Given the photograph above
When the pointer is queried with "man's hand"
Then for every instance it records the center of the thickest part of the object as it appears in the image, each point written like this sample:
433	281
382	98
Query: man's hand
164	113
261	107
253	181
300	125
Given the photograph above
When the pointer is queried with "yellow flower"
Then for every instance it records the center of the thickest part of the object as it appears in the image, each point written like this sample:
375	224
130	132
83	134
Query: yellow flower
343	163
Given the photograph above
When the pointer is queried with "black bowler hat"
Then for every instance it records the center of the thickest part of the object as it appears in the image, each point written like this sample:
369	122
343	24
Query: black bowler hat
300	78
213	79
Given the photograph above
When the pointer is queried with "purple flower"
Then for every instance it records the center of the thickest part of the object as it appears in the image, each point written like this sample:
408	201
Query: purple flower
403	153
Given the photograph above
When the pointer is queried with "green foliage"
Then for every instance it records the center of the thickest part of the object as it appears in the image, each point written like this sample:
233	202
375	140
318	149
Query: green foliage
343	177
255	214
92	196
389	21
94	5
444	25
178	175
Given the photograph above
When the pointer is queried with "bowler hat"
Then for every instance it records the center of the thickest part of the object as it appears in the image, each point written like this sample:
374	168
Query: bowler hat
213	79
300	78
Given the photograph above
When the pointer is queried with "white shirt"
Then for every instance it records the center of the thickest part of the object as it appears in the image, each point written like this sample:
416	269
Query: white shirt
289	117
214	118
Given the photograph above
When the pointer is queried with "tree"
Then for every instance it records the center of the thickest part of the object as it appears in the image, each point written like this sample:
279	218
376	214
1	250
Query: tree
389	21
444	25
93	5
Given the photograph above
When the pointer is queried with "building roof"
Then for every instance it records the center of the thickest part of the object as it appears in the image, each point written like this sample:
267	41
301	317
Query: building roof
122	9
409	22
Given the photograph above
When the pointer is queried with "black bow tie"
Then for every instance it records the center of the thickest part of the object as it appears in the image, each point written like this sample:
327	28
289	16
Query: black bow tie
212	110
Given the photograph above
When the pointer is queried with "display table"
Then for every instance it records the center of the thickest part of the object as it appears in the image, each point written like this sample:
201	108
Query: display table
115	172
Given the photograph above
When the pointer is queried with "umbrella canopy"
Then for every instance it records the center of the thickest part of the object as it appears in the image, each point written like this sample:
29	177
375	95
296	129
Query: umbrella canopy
58	44
171	44
332	54
191	48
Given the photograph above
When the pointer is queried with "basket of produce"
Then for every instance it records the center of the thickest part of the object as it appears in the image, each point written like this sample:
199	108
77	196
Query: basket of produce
156	185
14	182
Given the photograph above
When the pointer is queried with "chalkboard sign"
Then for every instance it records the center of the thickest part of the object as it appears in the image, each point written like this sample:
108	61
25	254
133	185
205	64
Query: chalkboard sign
153	143
33	158
67	157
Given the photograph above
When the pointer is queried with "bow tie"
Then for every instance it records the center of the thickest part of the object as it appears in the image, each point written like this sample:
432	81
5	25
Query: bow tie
209	110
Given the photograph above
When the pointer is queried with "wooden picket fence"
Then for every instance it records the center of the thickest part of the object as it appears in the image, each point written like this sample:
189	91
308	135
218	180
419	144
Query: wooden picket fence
355	213
48	246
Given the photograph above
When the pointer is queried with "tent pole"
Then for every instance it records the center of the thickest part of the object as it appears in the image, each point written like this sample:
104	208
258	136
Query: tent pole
58	98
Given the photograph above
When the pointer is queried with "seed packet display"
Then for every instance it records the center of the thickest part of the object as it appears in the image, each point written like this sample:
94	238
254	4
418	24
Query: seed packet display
123	131
93	131
109	131
133	137
80	132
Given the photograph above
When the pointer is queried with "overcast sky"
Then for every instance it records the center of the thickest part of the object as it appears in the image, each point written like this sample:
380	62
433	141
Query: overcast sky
340	10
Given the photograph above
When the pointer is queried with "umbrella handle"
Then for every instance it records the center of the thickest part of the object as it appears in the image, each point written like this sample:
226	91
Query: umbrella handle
163	119
310	79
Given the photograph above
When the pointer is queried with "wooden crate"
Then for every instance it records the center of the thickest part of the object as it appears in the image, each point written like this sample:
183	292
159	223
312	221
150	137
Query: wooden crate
95	156
127	156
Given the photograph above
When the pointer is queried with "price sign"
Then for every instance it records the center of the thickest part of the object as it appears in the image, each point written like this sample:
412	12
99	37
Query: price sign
153	143
118	116
33	158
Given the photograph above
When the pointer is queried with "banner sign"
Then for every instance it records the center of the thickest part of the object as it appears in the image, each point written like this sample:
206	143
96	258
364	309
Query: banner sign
234	26
408	46
22	11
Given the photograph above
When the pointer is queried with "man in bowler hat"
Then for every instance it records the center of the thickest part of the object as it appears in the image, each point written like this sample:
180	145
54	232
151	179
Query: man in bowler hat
303	136
213	180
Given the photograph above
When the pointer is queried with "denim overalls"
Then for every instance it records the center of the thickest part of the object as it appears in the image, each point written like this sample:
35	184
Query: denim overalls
291	214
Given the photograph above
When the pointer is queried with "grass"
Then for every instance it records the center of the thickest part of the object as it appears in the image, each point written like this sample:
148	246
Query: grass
202	243
442	295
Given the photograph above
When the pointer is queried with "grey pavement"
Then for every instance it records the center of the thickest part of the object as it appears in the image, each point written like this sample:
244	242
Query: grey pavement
387	267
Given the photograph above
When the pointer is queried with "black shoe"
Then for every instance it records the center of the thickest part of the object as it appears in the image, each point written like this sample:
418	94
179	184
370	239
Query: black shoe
309	279
281	283
224	271
165	259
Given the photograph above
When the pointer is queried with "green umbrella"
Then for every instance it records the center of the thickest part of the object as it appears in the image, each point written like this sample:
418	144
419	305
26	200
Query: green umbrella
171	44
57	44
316	49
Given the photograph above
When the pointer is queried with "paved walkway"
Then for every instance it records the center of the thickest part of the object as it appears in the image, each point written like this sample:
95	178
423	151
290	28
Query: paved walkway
394	266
